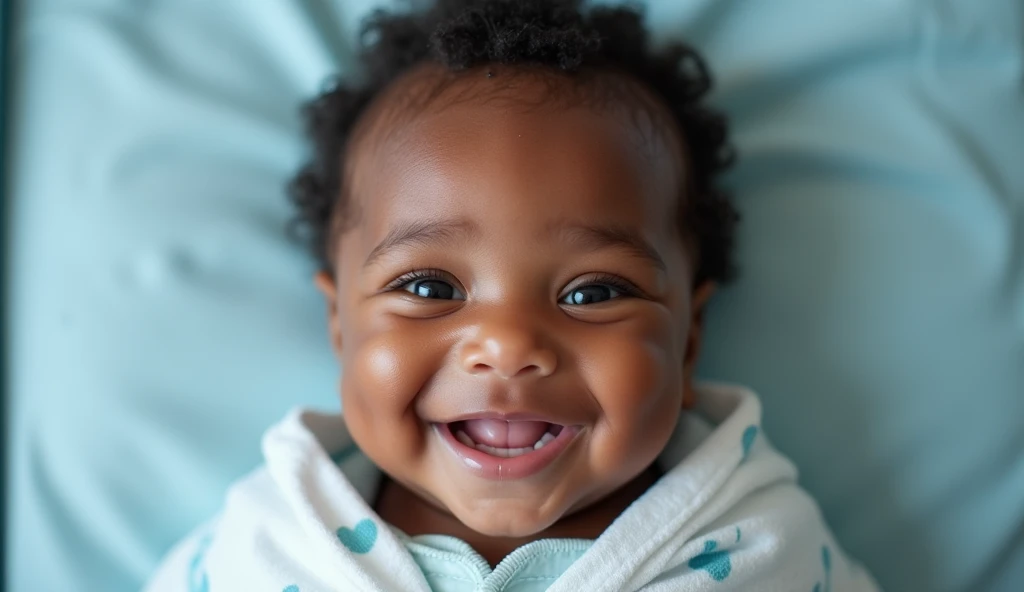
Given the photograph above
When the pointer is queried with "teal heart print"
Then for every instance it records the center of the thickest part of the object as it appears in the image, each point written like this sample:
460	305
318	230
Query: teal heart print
715	563
360	539
749	435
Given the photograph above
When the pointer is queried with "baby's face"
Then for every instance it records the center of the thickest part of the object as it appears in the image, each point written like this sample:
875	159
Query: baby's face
513	307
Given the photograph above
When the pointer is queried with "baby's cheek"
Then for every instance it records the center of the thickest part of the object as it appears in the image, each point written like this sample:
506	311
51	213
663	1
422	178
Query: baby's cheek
633	373
392	361
383	374
638	383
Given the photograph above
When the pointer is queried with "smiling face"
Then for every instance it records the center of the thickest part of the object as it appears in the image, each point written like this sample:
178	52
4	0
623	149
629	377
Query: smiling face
513	308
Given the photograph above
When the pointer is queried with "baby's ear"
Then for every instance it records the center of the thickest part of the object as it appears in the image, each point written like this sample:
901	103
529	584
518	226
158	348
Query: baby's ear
325	284
694	338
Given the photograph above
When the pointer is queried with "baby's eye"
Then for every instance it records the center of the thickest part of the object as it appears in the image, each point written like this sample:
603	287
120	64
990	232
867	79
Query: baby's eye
591	294
433	289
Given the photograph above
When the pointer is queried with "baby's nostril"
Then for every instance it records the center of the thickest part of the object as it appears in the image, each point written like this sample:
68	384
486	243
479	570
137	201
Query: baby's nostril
524	370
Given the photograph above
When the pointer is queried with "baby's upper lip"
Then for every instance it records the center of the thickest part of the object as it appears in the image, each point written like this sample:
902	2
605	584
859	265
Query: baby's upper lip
504	403
508	416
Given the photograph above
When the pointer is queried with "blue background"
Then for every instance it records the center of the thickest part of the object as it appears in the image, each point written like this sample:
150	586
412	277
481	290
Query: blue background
159	319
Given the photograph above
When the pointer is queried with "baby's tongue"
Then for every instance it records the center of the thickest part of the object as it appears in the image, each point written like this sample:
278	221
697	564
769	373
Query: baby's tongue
498	433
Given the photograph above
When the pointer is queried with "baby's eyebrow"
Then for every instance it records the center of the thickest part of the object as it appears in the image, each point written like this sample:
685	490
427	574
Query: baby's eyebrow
599	237
420	232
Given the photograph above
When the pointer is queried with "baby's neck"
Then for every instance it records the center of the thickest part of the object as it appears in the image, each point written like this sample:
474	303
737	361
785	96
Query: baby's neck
415	516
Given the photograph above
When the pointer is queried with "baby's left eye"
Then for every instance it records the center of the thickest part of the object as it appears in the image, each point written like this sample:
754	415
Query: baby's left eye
590	294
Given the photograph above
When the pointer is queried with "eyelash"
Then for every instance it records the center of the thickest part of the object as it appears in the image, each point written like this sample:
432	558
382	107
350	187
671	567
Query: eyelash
418	274
622	286
626	288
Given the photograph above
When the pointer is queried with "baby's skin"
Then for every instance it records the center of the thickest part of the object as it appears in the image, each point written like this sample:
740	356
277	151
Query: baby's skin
512	298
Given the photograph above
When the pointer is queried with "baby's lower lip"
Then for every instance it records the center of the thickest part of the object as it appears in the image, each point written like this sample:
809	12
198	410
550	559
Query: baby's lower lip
503	468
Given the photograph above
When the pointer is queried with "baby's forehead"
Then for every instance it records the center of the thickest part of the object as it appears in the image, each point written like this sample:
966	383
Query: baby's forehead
518	140
430	89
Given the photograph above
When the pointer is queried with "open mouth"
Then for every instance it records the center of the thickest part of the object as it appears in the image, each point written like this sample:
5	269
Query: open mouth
507	449
507	439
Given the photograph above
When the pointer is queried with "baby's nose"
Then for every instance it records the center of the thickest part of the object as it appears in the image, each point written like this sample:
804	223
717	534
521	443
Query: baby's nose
508	350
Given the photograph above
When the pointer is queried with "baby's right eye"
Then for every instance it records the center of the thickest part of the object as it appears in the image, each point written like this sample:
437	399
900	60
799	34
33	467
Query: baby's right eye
428	284
433	289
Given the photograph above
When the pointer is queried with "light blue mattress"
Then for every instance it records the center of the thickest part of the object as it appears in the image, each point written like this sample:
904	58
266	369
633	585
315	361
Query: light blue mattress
160	320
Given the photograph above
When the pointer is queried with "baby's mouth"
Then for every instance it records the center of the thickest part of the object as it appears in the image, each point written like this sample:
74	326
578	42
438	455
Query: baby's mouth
502	438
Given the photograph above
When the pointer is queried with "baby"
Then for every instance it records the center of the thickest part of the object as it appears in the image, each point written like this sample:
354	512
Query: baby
518	231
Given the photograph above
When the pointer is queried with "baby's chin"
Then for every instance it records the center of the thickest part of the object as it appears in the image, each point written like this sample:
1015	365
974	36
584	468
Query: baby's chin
507	519
521	517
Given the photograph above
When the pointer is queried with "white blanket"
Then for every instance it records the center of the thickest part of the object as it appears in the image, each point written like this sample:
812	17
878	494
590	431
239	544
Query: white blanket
727	515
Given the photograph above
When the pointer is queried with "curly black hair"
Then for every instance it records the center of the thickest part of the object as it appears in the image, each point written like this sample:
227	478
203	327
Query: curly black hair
555	34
